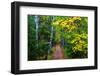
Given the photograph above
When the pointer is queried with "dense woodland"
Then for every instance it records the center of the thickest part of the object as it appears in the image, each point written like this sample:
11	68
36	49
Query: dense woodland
49	36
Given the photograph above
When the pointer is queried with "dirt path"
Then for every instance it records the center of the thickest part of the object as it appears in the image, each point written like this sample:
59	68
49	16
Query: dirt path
58	52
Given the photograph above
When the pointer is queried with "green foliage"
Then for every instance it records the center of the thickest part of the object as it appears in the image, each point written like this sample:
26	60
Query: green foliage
31	38
38	52
75	35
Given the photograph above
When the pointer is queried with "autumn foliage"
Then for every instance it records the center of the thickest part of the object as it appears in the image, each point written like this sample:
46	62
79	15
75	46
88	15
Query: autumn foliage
57	37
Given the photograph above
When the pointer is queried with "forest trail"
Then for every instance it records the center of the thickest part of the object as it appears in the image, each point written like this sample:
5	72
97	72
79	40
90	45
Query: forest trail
58	52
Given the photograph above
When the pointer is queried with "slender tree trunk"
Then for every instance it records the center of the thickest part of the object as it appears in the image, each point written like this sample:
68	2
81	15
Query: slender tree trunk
37	25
